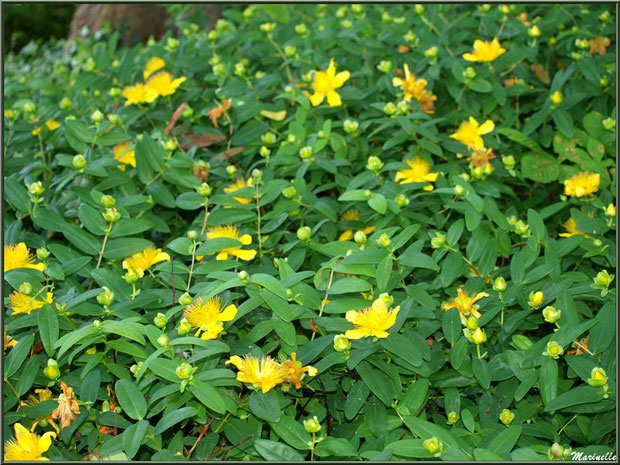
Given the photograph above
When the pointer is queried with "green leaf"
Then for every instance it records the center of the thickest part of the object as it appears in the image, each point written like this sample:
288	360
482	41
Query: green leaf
335	447
284	329
356	397
540	168
172	418
217	244
384	272
16	194
190	201
480	85
482	372
505	440
563	121
163	368
81	239
72	338
576	396
131	399
376	382
122	248
133	437
265	405
92	219
292	432
548	380
378	203
410	448
49	328
452	325
208	395
133	331
16	357
276	451
90	386
426	430
348	285
415	259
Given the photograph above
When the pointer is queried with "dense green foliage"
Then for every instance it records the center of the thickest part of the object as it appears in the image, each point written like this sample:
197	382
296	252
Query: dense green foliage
509	219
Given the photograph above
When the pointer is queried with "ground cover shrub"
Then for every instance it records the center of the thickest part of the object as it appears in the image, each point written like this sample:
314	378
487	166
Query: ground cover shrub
315	233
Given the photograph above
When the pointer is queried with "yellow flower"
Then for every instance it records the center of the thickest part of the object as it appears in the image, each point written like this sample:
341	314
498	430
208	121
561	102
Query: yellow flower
138	93
18	256
420	171
67	406
263	373
153	65
582	184
142	261
26	445
295	371
124	155
416	88
239	184
571	228
207	317
233	233
469	132
465	304
21	303
371	321
163	83
8	341
353	215
485	51
52	124
325	84
44	395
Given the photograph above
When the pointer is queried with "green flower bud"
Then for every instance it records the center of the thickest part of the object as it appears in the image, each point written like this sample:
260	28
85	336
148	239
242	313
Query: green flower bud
111	215
604	16
304	233
609	124
90	64
506	417
350	126
106	297
184	371
556	450
341	343
402	108
97	324
163	340
312	425
356	8
114	92
25	288
10	114
301	29
389	108
557	97
469	73
160	320
184	327
431	52
360	238
459	190
499	285
65	103
479	336
320	134
598	377
554	350
36	188
51	371
244	276
290	50
471	323
267	27
402	200
453	417
522	228
419	9
368	194
204	189
306	153
433	445
42	253
264	152
568	453
170	145
385	66
29	107
509	161
97	117
257	174
172	43
410	37
536	299
551	315
239	69
374	164
291	139
231	169
289	192
384	240
521	342
185	299
135	369
79	162
188	112
438	241
193	235
603	279
534	32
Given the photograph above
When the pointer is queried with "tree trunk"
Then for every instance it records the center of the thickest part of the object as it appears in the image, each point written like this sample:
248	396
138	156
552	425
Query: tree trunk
139	21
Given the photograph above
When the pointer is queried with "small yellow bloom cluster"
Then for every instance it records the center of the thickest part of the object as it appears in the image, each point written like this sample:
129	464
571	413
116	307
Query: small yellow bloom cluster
373	321
416	88
157	84
266	373
582	184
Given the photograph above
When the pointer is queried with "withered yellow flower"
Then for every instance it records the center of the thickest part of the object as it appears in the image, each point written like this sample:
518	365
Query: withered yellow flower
416	88
208	316
27	445
295	371
124	155
67	406
465	303
163	83
139	93
264	373
22	303
154	64
233	233
571	229
18	256
372	321
486	51
240	183
582	184
142	261
325	84
419	171
469	132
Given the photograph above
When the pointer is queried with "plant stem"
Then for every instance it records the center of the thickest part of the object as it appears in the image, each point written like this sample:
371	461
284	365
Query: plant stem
105	239
260	240
191	269
324	302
